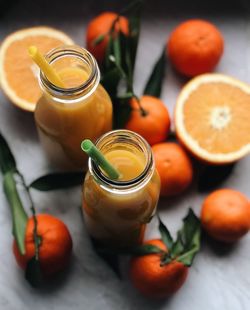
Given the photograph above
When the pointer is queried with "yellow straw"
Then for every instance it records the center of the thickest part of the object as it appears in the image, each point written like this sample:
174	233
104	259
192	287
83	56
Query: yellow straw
45	67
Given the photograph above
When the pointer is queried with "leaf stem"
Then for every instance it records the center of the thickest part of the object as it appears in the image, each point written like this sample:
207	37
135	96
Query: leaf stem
142	110
37	239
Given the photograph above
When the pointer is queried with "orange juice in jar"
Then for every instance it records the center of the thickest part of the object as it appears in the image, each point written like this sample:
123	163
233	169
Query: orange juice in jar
80	109
116	211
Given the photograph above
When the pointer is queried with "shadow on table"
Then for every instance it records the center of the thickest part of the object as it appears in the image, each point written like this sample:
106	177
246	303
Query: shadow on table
135	299
220	249
22	122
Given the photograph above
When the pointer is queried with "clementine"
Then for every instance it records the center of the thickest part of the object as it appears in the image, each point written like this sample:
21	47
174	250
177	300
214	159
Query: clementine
174	167
152	278
149	118
55	248
100	26
195	47
225	215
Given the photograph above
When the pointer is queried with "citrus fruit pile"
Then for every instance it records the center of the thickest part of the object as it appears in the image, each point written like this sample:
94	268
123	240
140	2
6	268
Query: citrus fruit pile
211	123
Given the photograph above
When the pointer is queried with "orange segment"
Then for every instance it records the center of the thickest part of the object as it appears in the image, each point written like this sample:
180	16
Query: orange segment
18	74
213	118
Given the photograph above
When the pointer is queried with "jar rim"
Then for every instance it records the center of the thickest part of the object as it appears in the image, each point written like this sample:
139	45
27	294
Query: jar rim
85	88
137	181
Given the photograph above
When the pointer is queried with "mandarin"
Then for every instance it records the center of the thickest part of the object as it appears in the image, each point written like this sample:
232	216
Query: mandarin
100	26
225	215
152	278
55	248
174	167
195	47
151	121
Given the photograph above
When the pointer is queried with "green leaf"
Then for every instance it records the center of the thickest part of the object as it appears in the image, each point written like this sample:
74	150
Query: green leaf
134	31
33	273
165	235
117	48
56	181
189	239
188	257
19	216
127	95
107	66
154	84
98	40
110	81
178	246
122	110
7	160
145	249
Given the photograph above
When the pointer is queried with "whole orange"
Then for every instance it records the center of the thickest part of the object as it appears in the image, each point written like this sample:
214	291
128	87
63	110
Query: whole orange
154	280
100	26
225	215
174	167
195	47
152	122
55	248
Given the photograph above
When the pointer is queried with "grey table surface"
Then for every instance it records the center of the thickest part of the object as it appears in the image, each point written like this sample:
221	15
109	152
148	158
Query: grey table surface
220	276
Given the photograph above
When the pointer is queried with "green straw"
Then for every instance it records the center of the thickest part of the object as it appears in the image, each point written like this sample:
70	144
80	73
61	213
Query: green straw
89	148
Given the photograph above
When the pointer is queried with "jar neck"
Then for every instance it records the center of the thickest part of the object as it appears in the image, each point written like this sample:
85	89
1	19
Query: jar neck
123	139
71	57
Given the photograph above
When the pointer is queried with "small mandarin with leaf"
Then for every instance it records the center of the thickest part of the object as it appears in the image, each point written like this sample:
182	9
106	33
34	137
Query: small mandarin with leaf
174	167
55	244
149	118
152	278
159	268
195	47
98	32
225	215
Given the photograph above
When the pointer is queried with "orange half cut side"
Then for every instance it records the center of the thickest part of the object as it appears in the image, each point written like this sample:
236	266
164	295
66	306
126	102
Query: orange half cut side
18	73
212	118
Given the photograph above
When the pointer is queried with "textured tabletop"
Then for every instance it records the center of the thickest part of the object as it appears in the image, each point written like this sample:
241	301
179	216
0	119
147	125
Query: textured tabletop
220	276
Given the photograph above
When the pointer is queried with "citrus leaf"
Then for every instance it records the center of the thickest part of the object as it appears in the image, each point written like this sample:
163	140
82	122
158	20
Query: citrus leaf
144	249
165	235
117	48
33	272
139	250
19	217
188	239
98	40
7	160
188	257
154	84
56	181
127	95
213	176
178	246
122	111
134	32
110	81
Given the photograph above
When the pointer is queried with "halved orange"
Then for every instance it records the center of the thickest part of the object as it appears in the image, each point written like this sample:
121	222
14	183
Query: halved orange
212	118
18	74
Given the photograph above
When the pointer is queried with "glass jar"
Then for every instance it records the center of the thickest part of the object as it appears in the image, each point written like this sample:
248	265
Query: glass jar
66	116
116	212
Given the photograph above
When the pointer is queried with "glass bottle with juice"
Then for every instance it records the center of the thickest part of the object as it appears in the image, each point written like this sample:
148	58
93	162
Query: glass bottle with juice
80	109
116	211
